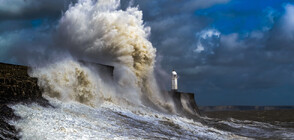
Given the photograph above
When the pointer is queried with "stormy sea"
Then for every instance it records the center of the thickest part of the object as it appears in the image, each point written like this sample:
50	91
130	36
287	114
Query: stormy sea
102	85
73	120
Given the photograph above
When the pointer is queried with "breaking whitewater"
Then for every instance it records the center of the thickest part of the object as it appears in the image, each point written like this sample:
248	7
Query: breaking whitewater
89	104
73	120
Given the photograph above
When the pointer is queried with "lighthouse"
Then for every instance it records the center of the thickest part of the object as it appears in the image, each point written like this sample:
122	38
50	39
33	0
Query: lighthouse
174	81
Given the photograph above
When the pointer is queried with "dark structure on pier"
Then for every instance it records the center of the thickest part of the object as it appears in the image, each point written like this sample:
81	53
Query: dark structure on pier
185	102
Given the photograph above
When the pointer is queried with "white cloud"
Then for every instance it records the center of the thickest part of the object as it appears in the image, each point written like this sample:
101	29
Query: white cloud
231	41
209	33
288	21
199	48
207	41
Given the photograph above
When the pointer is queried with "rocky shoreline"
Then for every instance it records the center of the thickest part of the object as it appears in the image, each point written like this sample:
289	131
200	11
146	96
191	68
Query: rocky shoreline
16	86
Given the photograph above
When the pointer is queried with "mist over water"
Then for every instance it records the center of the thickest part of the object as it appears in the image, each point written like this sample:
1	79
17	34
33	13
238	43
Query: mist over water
98	31
89	104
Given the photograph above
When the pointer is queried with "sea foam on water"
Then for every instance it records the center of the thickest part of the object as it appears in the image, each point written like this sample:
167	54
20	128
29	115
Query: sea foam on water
88	107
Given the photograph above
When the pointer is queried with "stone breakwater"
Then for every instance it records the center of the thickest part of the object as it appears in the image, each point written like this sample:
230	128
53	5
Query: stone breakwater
16	86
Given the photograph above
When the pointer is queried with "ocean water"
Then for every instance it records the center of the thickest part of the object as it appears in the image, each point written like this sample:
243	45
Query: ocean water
73	120
89	104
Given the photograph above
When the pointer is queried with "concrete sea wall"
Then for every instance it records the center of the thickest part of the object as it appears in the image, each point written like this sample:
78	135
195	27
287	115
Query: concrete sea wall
16	86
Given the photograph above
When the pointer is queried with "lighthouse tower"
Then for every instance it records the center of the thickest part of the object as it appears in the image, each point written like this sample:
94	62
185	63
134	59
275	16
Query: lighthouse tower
174	81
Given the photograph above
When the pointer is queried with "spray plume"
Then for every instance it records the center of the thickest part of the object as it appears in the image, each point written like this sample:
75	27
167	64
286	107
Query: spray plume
99	31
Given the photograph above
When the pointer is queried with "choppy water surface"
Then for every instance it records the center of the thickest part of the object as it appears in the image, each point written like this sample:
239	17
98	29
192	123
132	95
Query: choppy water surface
77	121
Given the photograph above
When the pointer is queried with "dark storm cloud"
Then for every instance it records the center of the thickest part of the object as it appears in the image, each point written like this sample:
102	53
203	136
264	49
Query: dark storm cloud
174	25
26	45
231	64
260	62
29	8
175	28
26	28
171	7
